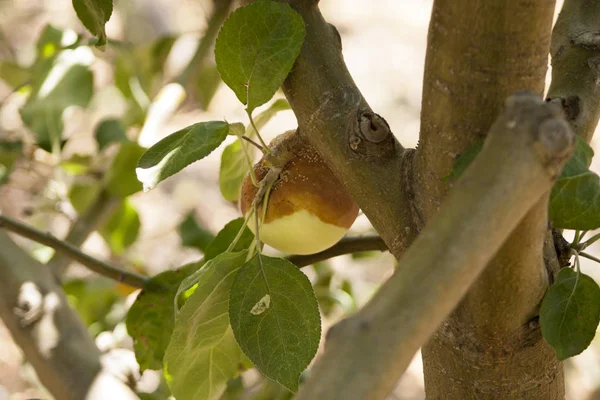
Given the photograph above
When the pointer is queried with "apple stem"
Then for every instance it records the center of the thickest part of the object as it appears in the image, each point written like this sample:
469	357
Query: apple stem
240	232
264	145
258	146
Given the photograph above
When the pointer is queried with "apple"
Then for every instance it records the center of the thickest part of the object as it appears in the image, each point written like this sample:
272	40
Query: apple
308	208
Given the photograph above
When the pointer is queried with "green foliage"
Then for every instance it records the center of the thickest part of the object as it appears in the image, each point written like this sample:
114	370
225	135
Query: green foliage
463	161
203	354
256	48
10	151
233	163
94	14
67	81
93	299
151	318
192	234
120	180
110	131
226	236
138	75
207	85
178	150
575	198
570	313
273	306
121	230
13	74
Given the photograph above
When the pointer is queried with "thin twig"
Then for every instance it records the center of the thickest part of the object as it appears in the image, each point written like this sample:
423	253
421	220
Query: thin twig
258	146
132	279
351	244
589	256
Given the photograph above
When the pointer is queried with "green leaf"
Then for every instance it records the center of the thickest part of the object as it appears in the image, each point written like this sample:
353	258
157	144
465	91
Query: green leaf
82	195
575	202
265	116
93	299
179	150
575	197
110	131
226	236
463	161
570	313
207	85
94	14
120	179
13	74
233	164
275	318
232	171
151	318
122	228
192	234
68	82
580	161
256	49
10	151
203	354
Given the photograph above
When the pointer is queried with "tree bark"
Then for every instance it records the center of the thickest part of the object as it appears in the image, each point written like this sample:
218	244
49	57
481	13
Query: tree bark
55	341
479	52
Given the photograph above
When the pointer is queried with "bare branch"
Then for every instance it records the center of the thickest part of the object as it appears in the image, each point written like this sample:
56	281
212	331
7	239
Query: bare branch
347	245
53	338
84	225
68	250
365	354
576	65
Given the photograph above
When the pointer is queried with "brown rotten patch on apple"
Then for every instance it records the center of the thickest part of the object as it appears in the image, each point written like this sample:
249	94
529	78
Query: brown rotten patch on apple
308	208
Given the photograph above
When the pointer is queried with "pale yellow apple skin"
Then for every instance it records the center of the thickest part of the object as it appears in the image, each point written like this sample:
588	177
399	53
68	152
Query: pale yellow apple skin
308	211
282	233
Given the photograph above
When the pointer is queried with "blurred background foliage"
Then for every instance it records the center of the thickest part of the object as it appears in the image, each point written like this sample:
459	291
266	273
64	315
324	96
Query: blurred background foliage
74	121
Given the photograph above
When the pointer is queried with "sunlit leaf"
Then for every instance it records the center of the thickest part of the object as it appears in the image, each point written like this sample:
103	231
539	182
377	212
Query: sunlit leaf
178	150
68	82
570	313
275	318
13	74
203	354
94	14
256	48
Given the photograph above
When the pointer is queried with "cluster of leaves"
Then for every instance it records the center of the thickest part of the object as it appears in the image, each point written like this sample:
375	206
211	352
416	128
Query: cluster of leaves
570	312
237	308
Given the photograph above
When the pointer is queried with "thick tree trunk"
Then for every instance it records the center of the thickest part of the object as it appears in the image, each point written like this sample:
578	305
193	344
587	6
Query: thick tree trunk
491	346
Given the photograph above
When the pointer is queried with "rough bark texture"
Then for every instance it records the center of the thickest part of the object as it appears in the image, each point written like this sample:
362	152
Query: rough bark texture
366	353
477	54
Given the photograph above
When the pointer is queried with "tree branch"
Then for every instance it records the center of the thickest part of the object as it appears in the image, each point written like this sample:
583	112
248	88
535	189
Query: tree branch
51	335
355	142
73	253
347	245
84	225
524	153
576	65
191	73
